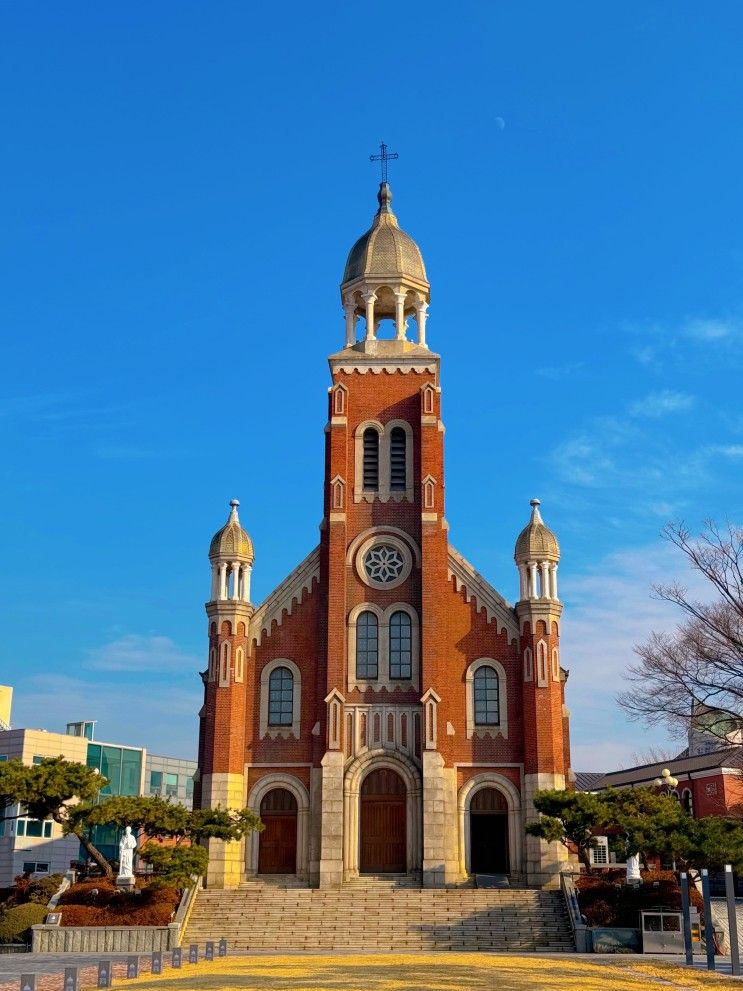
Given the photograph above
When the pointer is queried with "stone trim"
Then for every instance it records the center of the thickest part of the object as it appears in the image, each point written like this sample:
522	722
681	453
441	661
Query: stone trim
484	731
399	545
257	793
377	367
285	596
380	531
383	618
383	492
491	779
485	596
284	732
353	778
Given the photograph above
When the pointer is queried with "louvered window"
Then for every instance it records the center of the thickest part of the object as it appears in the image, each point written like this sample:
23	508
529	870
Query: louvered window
487	703
371	459
367	646
400	646
397	459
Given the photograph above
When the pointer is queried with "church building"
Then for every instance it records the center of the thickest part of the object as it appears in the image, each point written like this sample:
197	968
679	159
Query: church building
385	710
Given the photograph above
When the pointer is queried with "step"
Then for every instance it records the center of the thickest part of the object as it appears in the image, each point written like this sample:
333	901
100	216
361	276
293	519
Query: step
381	913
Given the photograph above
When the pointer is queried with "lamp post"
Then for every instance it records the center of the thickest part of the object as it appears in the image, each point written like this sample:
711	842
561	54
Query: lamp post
666	785
666	782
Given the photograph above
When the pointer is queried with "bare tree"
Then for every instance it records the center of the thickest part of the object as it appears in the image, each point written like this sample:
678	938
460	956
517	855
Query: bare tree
699	667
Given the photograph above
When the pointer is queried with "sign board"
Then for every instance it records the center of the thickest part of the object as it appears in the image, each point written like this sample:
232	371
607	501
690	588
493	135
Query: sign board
177	957
104	974
132	966
28	982
72	979
156	967
193	953
222	948
209	952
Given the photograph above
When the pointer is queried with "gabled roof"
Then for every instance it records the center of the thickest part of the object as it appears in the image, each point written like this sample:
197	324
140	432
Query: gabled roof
587	780
641	774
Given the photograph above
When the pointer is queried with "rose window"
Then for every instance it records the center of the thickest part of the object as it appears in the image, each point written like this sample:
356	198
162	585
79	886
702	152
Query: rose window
384	564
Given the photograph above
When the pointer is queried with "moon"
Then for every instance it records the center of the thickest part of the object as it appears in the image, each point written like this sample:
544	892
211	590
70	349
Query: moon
500	123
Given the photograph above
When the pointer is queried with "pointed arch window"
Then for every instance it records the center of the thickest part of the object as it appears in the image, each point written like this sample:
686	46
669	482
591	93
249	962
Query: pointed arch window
398	474
367	646
371	460
280	697
487	702
401	646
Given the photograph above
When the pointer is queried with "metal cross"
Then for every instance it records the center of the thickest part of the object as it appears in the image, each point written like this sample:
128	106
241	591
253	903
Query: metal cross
383	157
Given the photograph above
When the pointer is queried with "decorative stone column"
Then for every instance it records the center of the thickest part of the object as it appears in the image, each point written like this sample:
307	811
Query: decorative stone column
350	311
545	569
370	298
421	313
400	295
246	583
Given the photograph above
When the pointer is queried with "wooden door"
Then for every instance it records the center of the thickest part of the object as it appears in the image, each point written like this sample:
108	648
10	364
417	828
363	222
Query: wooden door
277	844
383	823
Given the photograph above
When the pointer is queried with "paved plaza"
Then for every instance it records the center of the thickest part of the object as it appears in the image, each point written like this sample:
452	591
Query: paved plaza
385	972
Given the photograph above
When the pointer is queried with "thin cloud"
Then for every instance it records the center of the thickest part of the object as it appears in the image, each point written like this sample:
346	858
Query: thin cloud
672	340
135	652
133	714
733	451
658	404
712	330
556	373
608	609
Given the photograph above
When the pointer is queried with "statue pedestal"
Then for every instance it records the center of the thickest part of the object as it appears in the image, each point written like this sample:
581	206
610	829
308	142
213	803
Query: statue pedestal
125	883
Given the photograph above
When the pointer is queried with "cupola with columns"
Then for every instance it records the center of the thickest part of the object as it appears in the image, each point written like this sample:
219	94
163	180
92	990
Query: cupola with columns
385	278
231	556
537	555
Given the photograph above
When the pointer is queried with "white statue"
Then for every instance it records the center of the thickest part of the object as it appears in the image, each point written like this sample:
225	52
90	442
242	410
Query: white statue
633	869
127	846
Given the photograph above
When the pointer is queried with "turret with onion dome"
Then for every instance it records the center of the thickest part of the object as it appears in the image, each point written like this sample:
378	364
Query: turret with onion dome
536	555
385	278
231	555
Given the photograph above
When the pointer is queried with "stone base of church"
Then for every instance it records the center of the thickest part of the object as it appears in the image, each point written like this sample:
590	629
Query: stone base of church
226	860
331	821
544	861
441	865
438	850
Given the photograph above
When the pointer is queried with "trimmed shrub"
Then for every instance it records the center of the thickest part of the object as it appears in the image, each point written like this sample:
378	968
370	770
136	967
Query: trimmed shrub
149	906
41	889
606	900
16	922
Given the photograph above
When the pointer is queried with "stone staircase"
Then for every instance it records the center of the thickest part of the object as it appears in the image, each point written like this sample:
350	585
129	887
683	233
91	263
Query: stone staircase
380	914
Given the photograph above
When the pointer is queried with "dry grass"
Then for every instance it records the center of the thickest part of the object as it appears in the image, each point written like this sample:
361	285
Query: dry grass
429	972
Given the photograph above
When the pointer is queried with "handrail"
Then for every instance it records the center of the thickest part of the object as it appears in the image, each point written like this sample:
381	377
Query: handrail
577	923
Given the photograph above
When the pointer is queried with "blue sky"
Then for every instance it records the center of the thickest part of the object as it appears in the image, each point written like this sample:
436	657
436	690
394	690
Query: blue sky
181	184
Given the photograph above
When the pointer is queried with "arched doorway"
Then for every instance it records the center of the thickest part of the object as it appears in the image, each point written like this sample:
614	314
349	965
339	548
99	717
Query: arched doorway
277	850
383	823
488	832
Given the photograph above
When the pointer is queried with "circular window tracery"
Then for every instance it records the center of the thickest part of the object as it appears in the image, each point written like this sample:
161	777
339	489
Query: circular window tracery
384	562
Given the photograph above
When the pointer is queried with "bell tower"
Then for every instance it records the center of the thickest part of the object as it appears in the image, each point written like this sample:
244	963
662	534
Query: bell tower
228	689
537	555
383	529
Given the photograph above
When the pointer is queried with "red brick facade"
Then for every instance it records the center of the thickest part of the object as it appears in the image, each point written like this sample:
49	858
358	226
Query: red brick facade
428	726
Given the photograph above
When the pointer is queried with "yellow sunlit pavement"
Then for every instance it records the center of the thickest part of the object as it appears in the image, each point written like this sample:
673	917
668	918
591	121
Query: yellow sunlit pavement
429	972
